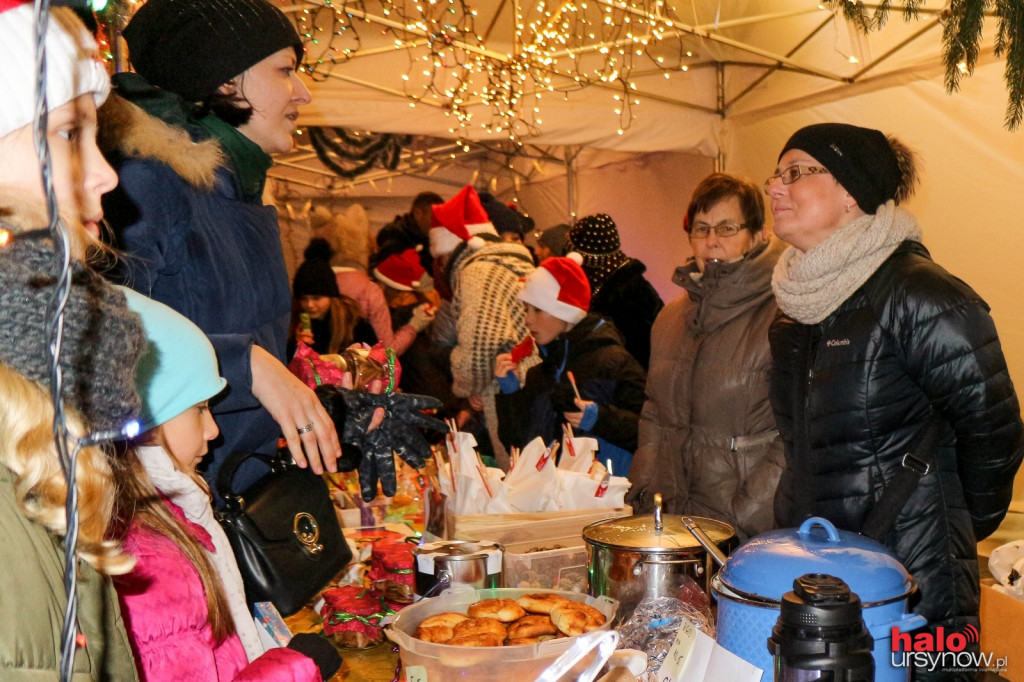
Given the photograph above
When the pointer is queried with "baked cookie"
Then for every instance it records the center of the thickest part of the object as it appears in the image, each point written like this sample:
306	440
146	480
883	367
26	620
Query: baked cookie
568	620
518	641
531	626
504	610
450	619
478	626
540	603
436	634
483	639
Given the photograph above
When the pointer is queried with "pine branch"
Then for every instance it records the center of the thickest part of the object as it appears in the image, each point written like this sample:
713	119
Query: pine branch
1010	42
962	25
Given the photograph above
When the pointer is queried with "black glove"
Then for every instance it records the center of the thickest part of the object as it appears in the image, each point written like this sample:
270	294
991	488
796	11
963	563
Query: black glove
396	434
320	650
333	401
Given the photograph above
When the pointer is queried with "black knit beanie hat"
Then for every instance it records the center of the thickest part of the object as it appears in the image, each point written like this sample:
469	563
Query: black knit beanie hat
502	217
860	159
102	339
596	238
192	47
315	277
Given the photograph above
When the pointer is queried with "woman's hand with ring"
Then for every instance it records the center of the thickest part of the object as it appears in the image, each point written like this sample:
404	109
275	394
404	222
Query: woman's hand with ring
292	404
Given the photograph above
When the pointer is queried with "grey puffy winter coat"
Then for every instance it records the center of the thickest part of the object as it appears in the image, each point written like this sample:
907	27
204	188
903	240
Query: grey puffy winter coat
707	436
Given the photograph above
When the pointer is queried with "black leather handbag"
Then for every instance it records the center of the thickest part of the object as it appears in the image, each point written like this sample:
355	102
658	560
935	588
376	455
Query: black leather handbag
283	530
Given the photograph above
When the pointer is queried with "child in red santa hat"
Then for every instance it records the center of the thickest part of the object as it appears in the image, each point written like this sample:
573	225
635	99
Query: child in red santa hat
571	341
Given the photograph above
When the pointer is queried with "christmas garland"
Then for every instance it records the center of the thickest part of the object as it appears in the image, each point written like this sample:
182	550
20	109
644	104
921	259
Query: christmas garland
335	148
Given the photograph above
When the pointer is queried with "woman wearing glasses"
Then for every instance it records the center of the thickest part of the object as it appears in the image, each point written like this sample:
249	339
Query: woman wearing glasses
875	338
707	437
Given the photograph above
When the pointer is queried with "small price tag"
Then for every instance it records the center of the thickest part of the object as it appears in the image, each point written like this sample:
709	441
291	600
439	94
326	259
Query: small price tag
672	669
416	673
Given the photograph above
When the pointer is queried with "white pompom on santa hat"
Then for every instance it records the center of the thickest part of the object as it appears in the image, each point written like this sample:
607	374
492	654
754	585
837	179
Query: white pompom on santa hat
460	219
560	288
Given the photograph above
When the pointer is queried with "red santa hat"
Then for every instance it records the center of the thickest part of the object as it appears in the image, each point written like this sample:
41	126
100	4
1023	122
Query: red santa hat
402	271
560	288
460	219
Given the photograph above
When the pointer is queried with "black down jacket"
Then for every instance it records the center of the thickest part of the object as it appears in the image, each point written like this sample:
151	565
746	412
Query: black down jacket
851	395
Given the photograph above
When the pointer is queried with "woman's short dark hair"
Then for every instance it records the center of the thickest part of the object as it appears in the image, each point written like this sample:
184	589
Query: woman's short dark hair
719	186
230	105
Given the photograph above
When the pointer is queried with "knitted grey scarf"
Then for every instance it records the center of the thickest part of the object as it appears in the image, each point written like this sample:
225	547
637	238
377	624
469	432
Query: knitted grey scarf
810	285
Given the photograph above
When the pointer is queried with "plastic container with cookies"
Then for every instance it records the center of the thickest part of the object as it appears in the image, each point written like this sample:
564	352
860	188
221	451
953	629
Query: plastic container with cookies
490	634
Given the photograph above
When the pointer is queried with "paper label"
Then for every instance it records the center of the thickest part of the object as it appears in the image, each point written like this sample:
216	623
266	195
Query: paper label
695	656
672	669
416	673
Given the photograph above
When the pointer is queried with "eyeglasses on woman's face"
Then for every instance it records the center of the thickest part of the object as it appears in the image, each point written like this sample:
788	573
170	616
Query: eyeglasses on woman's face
792	174
722	230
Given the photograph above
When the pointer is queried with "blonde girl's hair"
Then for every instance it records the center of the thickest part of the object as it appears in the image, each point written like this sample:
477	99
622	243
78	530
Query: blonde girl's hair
27	448
344	317
139	502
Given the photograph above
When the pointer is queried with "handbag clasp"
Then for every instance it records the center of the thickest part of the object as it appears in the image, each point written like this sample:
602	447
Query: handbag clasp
308	532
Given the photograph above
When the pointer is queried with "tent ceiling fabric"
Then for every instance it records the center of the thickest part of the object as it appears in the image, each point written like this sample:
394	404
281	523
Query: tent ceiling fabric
746	57
746	54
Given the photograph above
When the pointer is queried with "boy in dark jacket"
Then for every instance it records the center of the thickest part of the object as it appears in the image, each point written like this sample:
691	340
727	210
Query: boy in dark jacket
581	352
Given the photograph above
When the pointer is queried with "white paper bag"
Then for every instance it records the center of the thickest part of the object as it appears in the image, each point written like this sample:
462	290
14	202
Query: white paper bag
533	489
584	449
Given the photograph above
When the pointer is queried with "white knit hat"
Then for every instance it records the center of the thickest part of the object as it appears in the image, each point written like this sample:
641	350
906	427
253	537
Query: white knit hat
72	63
559	287
460	219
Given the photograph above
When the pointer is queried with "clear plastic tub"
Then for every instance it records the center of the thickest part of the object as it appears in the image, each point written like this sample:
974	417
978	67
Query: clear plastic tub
441	662
559	564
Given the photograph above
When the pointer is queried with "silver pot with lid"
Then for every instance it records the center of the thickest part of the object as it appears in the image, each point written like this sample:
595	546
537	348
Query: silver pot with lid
457	562
637	557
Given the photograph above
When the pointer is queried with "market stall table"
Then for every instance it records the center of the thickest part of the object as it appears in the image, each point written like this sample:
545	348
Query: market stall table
373	664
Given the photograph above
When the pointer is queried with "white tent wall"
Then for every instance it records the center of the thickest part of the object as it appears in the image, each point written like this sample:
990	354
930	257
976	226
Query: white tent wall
971	176
646	195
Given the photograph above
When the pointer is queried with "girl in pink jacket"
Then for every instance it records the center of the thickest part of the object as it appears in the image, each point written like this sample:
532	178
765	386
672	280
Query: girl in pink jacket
183	604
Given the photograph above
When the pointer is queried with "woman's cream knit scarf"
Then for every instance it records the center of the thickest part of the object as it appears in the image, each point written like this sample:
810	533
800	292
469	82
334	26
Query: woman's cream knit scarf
810	285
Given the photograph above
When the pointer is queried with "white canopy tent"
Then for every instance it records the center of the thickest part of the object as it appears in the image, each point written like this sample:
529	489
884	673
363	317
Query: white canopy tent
759	70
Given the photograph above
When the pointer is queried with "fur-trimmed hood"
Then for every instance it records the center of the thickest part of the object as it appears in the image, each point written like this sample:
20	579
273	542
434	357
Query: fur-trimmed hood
126	130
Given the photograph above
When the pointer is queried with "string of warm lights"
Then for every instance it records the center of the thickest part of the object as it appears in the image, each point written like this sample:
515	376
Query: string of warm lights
556	48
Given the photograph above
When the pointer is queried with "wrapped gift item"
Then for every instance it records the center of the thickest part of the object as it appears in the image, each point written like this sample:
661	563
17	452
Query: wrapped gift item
354	616
392	571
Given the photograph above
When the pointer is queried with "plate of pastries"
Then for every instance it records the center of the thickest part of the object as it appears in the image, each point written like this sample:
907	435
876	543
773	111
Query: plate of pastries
529	619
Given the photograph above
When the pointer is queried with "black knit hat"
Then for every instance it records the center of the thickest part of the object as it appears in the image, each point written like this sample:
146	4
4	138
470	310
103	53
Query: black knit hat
102	339
315	276
596	238
504	219
192	47
860	159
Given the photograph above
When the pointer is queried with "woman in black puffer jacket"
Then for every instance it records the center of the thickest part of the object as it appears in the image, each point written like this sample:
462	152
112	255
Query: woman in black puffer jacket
874	339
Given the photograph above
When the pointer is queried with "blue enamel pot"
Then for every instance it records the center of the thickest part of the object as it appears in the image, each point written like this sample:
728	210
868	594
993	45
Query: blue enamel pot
750	585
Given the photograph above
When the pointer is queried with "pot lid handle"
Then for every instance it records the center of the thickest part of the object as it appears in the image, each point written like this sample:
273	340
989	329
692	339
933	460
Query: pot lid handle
657	513
830	530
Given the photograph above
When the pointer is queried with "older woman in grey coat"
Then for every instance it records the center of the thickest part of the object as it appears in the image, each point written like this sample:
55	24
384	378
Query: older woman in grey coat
707	436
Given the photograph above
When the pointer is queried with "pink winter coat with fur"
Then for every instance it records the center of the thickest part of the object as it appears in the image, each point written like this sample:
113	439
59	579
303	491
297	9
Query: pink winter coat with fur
164	608
358	286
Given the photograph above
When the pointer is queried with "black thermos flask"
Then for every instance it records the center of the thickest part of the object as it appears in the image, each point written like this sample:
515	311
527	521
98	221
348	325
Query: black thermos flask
820	634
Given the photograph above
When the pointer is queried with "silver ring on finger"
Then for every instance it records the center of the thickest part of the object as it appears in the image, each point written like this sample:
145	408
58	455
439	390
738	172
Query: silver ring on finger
305	429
